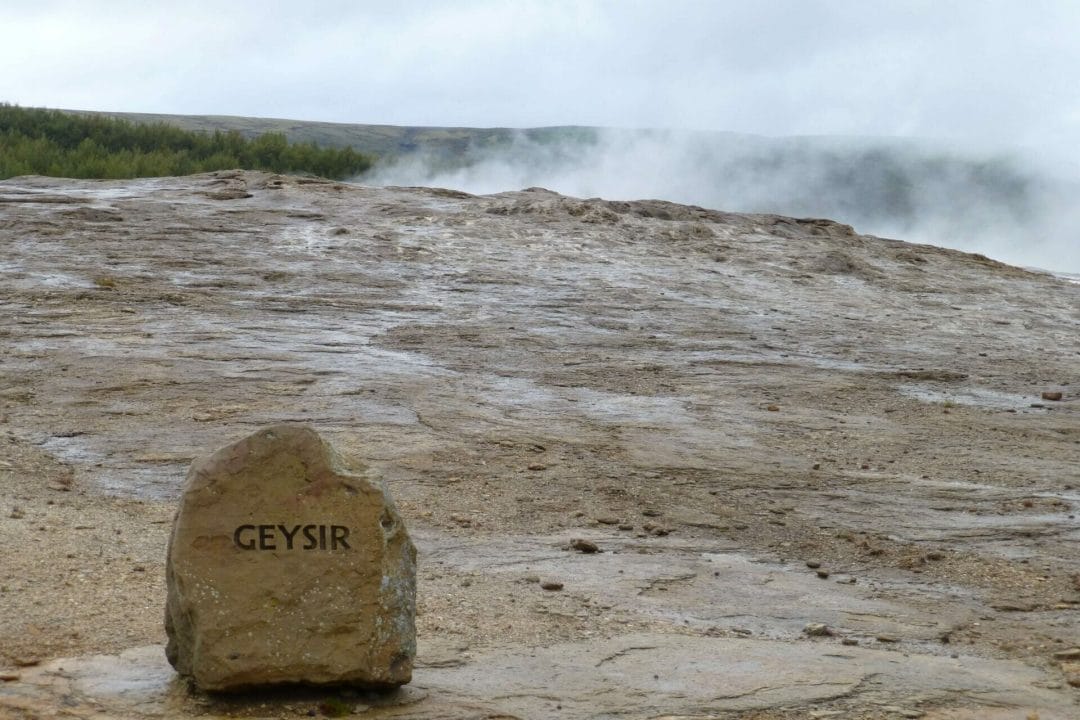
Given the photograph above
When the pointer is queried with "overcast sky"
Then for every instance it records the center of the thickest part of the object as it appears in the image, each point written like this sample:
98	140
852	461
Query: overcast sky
999	72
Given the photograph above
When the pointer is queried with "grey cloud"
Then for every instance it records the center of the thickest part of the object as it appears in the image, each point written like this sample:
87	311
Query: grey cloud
995	71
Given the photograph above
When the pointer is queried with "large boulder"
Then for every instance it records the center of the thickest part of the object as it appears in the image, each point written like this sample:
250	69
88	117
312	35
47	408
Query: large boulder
288	564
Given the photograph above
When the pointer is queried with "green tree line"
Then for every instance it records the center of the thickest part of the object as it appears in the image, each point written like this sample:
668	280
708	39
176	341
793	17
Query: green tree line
49	142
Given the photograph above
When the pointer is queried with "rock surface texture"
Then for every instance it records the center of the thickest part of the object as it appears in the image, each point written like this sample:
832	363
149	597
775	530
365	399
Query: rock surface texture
730	407
288	565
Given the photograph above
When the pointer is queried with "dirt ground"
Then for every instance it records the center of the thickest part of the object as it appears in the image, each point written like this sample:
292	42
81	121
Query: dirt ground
766	425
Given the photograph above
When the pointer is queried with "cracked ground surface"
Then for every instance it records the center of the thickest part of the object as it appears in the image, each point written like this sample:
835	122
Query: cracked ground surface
762	423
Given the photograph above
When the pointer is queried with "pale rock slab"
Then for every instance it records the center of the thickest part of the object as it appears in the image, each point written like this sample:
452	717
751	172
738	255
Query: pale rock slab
288	564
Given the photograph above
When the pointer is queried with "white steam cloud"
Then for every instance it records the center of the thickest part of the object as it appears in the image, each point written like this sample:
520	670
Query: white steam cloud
1004	207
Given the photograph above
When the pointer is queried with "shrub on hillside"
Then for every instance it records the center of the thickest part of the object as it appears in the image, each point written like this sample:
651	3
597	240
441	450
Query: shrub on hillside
49	142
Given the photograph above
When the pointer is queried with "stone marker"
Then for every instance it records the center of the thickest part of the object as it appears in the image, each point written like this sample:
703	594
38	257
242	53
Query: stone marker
288	565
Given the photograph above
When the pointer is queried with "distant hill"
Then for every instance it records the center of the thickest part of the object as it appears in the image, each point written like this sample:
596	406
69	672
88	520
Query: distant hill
38	141
448	146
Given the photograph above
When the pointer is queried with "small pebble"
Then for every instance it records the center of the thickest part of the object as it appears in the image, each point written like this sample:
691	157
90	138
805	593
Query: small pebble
1053	396
551	585
849	641
813	564
817	630
586	546
823	574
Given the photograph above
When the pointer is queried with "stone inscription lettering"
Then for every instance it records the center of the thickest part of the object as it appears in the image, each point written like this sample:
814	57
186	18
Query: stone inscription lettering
296	537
